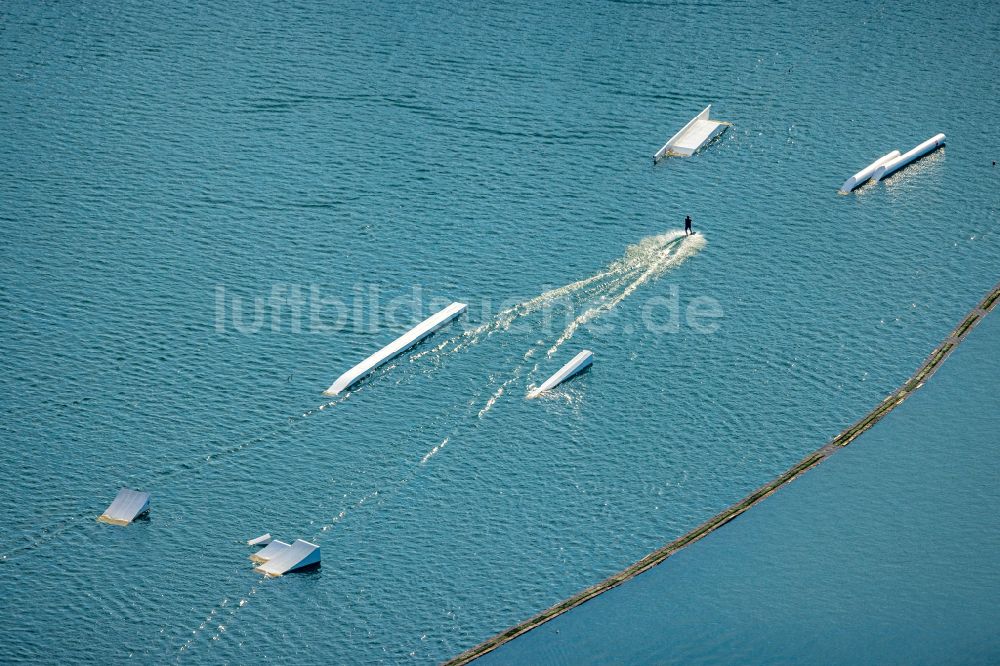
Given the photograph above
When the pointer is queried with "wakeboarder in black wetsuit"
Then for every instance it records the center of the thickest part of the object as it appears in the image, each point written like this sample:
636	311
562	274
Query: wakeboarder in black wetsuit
687	225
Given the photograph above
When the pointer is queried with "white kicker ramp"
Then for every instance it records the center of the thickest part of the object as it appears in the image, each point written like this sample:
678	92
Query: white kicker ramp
865	174
262	540
892	166
699	131
299	555
126	507
579	363
396	347
270	551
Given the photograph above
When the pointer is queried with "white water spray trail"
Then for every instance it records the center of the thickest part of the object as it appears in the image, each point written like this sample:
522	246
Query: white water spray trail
644	261
503	320
660	262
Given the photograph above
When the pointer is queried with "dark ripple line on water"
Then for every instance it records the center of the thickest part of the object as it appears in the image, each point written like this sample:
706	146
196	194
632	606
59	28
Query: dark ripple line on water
916	381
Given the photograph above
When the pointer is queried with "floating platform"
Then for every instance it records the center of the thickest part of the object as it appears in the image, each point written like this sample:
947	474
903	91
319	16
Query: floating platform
126	507
396	347
580	362
863	176
699	131
270	551
262	540
892	166
299	555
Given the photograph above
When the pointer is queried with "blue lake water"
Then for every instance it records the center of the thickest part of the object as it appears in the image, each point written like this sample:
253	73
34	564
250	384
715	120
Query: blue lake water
884	554
163	167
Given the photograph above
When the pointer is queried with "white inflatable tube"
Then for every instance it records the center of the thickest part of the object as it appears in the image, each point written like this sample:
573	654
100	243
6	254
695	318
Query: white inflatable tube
895	165
865	174
396	347
579	363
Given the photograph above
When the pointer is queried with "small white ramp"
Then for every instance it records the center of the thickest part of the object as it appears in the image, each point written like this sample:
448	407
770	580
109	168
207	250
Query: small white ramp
262	540
126	507
270	551
699	131
299	555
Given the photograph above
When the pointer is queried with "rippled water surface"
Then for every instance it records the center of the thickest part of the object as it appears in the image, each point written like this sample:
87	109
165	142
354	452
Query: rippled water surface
161	164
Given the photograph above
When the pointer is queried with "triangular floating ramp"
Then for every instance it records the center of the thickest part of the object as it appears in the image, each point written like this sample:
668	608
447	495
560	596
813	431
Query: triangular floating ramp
270	551
127	506
262	540
700	130
299	555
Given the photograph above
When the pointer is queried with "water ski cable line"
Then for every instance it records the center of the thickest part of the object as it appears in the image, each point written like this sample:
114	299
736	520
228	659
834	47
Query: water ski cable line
893	400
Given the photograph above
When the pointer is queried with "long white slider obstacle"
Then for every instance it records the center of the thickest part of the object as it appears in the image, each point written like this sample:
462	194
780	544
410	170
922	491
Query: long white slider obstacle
699	131
299	555
126	507
579	363
891	167
865	174
396	347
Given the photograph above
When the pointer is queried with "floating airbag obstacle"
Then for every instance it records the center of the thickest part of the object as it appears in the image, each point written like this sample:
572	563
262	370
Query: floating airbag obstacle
890	163
891	167
580	362
699	131
126	507
865	174
396	347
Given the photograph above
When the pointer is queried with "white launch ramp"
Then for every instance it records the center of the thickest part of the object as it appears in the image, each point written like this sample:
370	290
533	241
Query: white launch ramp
262	540
126	507
270	551
699	131
579	363
892	166
863	176
299	555
396	347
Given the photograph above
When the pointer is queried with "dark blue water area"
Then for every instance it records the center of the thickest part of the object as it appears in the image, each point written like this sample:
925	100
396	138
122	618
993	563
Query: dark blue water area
884	554
349	167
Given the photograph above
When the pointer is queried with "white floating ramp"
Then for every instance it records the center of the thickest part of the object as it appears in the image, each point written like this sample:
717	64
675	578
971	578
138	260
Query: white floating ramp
892	166
396	347
699	131
262	540
299	555
270	551
863	176
127	506
579	363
